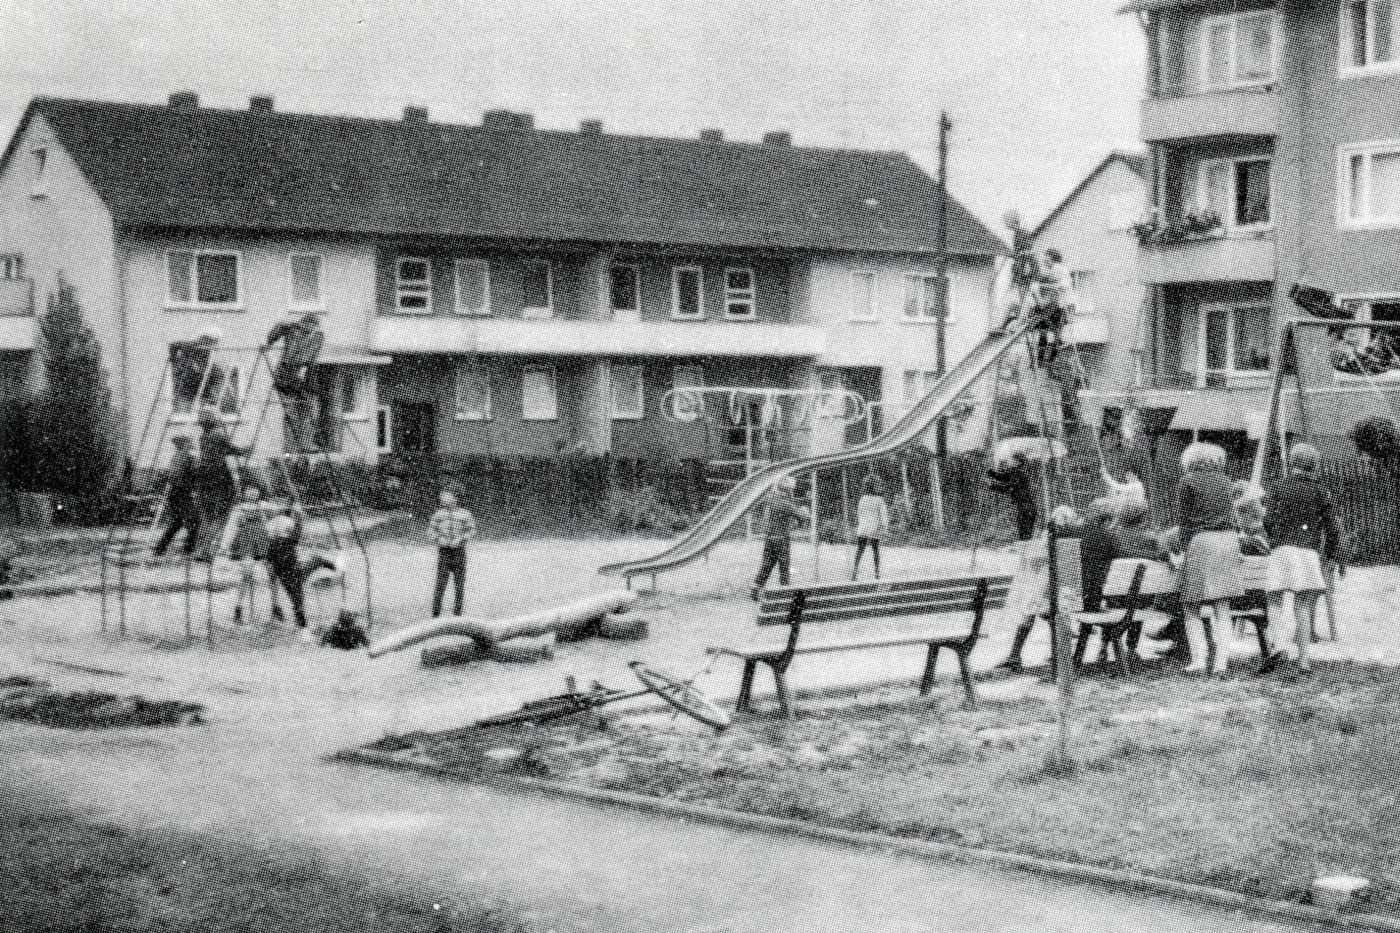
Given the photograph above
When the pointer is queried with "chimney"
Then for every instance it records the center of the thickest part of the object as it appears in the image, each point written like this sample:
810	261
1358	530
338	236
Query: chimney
505	121
184	100
591	128
260	104
778	139
415	115
712	136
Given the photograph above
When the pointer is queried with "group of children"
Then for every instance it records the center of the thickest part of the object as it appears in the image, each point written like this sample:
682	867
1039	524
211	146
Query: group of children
1046	288
1219	523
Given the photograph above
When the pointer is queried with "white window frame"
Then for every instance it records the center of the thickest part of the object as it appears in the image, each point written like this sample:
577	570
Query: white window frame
676	273
924	278
1365	151
39	184
361	382
1231	372
320	302
1227	218
462	369
1234	80
538	312
383	429
416	289
553	373
741	296
639	411
193	303
636	270
233	373
11	267
872	313
484	266
1345	68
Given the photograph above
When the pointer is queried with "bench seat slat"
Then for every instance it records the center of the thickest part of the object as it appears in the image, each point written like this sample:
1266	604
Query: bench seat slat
891	641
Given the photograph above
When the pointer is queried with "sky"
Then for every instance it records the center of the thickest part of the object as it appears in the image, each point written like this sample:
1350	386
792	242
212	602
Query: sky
1038	90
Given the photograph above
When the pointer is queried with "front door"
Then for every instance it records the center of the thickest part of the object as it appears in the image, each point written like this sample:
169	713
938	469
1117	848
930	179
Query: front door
413	426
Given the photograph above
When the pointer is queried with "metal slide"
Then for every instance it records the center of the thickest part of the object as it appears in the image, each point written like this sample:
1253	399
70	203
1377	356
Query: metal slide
901	434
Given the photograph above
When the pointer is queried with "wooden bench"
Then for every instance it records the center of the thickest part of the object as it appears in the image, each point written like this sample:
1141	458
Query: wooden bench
862	602
1133	584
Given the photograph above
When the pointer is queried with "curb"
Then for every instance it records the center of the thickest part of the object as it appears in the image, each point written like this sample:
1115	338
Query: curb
928	851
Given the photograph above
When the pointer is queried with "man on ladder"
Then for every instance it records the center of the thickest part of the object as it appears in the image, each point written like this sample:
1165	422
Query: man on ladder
301	346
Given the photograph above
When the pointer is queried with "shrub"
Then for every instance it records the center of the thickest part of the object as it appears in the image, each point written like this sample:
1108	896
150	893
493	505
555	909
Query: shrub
1377	438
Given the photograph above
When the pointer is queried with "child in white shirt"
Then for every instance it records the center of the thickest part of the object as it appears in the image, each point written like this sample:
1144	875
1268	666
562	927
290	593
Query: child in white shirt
872	523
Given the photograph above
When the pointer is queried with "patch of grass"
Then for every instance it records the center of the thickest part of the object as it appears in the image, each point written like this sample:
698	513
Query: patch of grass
63	875
1256	784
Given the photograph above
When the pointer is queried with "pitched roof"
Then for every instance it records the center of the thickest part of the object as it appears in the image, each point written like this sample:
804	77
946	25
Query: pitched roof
162	167
1136	163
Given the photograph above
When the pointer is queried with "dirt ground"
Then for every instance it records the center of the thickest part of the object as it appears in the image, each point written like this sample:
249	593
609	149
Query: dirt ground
256	772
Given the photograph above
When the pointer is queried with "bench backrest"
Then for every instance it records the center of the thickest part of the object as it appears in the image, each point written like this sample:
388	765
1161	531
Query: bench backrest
840	602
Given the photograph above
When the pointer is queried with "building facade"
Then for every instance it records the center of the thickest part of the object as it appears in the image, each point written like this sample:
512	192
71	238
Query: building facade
1271	130
491	290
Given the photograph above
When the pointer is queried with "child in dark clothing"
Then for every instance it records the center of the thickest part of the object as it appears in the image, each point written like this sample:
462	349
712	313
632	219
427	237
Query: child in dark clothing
284	565
180	511
1013	480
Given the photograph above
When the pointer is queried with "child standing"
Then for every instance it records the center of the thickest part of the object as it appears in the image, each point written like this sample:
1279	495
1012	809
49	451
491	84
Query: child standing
1029	598
872	523
781	514
1303	527
245	542
451	527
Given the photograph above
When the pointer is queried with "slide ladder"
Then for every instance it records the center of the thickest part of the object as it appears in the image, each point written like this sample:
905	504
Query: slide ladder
904	432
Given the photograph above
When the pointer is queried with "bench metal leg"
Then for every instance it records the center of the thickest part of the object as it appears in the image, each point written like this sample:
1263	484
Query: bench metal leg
930	670
746	688
1081	645
965	669
1120	651
784	698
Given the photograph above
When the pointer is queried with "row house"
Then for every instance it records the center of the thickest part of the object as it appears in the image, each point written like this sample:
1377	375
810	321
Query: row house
492	289
1271	127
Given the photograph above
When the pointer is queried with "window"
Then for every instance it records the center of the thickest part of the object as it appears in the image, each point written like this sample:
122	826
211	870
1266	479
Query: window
1234	340
354	395
415	286
739	293
39	183
11	266
202	278
863	296
538	289
539	398
1239	190
687	292
1368	34
921	298
473	392
233	393
473	287
305	271
687	406
1082	281
1374	308
628	393
1239	49
624	285
1369	189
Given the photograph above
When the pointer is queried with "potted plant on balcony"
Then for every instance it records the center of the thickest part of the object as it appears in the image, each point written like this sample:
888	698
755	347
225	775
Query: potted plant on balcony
1193	225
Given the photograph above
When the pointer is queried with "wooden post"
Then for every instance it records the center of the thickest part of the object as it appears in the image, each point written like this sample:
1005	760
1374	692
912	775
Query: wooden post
1066	598
816	529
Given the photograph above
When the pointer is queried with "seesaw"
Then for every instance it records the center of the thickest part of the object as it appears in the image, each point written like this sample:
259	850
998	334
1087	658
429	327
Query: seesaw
491	632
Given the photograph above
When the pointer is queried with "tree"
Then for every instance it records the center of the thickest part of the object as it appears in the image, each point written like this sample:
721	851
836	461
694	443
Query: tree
75	412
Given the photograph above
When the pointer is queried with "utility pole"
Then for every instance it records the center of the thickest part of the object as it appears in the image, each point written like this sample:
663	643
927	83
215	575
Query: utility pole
945	127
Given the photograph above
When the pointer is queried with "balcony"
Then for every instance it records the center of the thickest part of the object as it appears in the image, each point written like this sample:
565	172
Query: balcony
436	335
1242	407
1245	112
1236	258
17	324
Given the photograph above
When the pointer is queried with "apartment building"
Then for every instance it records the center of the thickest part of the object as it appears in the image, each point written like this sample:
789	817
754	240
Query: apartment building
1272	130
493	289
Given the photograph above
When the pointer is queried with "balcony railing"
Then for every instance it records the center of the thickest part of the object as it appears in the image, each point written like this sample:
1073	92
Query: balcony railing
1237	112
1235	258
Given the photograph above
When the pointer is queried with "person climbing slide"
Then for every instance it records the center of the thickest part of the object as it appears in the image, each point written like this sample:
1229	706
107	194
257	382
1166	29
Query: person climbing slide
302	341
